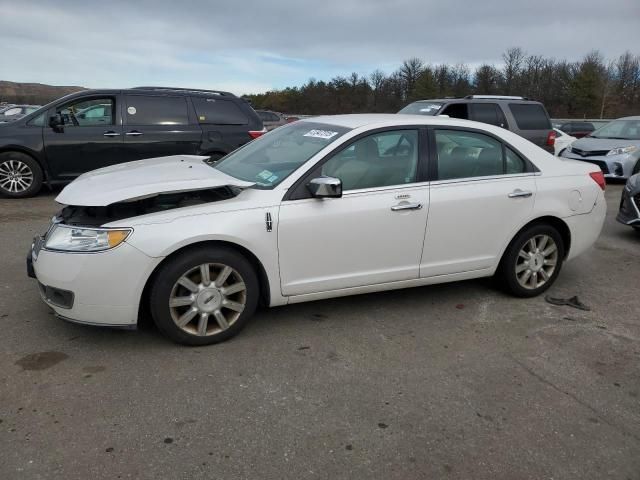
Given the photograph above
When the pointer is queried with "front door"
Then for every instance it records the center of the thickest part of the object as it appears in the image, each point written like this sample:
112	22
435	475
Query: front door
158	126
373	234
90	138
482	193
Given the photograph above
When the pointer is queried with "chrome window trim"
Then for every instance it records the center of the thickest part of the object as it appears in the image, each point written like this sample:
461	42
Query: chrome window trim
488	177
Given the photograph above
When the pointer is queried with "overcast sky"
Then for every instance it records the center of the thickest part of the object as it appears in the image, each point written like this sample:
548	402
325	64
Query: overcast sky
252	46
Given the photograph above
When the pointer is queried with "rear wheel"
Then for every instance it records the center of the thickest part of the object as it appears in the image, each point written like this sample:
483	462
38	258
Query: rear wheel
204	296
532	261
20	175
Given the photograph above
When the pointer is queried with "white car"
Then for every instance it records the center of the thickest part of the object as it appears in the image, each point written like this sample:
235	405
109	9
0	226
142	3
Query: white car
562	141
320	208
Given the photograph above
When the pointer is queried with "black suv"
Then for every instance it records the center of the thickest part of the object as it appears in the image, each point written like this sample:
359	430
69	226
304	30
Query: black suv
527	118
96	128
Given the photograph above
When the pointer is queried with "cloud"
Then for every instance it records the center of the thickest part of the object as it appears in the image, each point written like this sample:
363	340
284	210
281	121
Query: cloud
254	46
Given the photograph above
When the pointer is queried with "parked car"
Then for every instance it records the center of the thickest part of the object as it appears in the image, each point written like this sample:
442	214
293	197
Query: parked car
95	128
319	208
629	211
577	129
271	120
14	112
615	148
525	117
563	140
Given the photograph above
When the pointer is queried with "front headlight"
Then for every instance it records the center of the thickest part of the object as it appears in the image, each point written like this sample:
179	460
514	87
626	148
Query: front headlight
80	239
622	150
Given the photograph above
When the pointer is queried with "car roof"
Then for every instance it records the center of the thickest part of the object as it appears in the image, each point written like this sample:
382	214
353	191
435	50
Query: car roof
497	99
635	117
358	120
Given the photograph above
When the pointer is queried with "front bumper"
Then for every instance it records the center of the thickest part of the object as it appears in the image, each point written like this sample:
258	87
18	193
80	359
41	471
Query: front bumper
614	166
102	288
629	211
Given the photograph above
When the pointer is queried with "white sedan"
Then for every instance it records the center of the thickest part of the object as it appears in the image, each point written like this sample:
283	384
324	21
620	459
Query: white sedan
320	208
562	141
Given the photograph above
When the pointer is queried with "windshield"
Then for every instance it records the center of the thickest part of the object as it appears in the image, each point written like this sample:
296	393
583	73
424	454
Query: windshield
422	108
270	159
620	130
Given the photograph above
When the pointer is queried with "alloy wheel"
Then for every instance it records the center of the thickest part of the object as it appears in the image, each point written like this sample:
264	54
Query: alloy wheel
15	176
536	262
207	299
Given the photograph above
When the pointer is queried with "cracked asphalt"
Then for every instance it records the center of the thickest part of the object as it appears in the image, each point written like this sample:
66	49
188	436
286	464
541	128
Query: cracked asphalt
449	381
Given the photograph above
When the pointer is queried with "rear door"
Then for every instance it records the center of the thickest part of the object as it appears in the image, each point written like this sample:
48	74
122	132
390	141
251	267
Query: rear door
225	123
159	125
487	113
90	138
482	192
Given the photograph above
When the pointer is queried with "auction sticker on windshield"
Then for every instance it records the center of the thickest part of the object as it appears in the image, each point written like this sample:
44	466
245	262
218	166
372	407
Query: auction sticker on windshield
326	134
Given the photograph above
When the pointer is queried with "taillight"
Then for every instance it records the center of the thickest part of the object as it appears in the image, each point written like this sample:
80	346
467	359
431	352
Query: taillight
257	133
598	177
551	138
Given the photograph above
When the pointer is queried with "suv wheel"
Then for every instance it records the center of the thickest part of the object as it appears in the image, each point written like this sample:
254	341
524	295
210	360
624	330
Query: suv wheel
532	261
20	175
204	296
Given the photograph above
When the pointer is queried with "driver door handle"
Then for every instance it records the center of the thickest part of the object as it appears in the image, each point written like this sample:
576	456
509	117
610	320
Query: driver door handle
520	193
111	134
406	206
133	133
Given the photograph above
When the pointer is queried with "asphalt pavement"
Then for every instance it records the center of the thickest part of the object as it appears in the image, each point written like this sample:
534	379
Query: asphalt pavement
448	381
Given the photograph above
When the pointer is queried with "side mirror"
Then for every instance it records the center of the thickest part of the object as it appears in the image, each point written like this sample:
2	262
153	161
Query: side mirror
325	187
56	122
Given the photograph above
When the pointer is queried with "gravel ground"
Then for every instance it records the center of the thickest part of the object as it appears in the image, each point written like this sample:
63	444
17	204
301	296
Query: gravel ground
448	381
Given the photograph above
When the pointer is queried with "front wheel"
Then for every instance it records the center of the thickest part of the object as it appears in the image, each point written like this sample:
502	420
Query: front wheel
203	296
532	261
20	175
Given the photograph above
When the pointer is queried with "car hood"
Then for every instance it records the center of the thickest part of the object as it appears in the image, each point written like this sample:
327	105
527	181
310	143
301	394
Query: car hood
590	144
145	178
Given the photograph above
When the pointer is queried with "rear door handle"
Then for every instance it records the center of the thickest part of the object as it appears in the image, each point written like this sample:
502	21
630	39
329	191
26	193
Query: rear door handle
406	206
134	133
111	134
520	193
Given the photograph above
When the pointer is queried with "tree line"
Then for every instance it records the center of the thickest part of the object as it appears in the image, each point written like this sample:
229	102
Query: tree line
593	87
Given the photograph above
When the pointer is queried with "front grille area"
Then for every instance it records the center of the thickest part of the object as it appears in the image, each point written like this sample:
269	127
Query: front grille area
56	296
603	165
589	153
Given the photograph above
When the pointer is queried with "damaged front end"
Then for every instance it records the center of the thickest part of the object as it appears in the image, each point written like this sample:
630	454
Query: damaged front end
629	212
95	216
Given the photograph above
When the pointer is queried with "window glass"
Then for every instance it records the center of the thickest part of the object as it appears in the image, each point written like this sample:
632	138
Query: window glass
464	154
156	110
485	113
456	110
38	121
619	130
514	163
79	113
219	112
530	116
269	159
379	160
12	111
422	108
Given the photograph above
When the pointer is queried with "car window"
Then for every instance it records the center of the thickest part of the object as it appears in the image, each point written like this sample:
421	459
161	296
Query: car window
269	159
75	114
422	108
378	160
463	154
530	116
620	130
12	111
514	163
219	112
456	110
37	121
156	110
486	113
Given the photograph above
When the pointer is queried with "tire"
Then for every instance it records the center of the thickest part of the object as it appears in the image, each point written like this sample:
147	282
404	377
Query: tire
181	321
20	175
523	275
